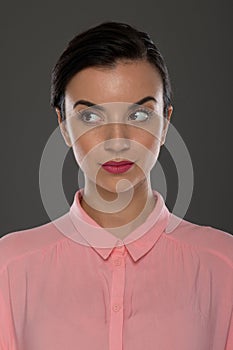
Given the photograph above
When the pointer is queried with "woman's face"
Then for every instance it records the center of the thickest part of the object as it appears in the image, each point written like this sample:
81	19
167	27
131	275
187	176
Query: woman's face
118	127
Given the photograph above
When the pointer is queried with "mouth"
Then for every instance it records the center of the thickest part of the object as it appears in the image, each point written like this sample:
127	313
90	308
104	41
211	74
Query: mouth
115	163
117	167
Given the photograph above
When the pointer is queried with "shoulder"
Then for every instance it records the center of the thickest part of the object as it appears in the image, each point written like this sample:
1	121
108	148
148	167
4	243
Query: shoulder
204	239
19	244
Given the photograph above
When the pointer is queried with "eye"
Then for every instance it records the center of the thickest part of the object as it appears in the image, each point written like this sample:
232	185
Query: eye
89	116
141	115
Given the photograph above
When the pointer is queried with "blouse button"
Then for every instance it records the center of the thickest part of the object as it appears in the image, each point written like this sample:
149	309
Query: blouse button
117	262
116	307
120	249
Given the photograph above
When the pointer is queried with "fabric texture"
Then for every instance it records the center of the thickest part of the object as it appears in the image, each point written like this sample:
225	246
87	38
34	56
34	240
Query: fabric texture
70	284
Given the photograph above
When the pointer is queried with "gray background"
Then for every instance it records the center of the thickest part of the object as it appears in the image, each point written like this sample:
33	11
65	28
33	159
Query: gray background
195	37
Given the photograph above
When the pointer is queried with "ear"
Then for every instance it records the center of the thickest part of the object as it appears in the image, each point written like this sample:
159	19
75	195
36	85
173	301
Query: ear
64	131
166	124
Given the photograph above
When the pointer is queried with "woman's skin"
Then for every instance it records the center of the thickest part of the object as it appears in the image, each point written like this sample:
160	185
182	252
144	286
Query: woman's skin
94	144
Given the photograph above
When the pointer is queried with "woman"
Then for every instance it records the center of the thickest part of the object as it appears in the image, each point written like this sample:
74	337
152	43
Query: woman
107	274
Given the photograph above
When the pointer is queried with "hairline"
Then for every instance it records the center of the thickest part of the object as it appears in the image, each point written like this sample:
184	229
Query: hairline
106	67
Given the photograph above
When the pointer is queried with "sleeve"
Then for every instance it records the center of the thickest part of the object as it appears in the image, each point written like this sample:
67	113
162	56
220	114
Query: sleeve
229	344
7	331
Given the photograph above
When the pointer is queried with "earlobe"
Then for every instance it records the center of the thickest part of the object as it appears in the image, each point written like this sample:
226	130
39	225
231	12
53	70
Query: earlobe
164	133
166	125
63	128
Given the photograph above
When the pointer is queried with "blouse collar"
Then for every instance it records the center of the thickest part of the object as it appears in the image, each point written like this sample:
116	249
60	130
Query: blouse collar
137	243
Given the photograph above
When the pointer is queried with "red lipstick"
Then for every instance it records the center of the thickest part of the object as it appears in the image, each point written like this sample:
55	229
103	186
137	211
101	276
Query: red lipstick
117	167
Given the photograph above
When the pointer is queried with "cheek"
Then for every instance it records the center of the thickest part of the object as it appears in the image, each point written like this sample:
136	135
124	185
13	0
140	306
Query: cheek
146	141
147	148
83	148
88	149
86	141
151	142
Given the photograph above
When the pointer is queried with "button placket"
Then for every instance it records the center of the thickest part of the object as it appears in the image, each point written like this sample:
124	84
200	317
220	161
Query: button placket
117	299
116	307
117	261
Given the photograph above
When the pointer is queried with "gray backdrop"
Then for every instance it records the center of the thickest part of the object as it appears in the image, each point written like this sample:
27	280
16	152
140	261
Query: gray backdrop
195	38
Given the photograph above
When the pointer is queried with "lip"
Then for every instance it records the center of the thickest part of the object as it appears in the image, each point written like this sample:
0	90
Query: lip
117	167
113	163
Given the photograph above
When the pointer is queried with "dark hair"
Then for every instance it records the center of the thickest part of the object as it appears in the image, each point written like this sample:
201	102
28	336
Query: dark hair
102	46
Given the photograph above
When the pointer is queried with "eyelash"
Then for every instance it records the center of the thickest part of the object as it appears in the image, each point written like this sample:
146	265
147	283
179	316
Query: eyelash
148	112
81	115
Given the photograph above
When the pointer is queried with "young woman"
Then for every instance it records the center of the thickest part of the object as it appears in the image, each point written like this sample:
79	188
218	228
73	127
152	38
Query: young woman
108	275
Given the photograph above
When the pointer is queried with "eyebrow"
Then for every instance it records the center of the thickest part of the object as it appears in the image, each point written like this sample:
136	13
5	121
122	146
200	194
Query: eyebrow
91	104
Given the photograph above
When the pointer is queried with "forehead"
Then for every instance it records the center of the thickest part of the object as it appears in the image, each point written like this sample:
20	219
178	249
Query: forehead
126	82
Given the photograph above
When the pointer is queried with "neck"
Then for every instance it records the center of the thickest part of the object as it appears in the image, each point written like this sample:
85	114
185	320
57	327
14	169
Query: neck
120	213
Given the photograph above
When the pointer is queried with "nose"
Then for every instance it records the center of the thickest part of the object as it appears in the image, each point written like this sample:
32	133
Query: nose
117	138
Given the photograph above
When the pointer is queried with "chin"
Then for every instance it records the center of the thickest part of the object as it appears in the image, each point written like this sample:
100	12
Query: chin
120	185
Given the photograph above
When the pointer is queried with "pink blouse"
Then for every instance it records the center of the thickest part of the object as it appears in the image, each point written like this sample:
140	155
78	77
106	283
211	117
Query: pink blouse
70	284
